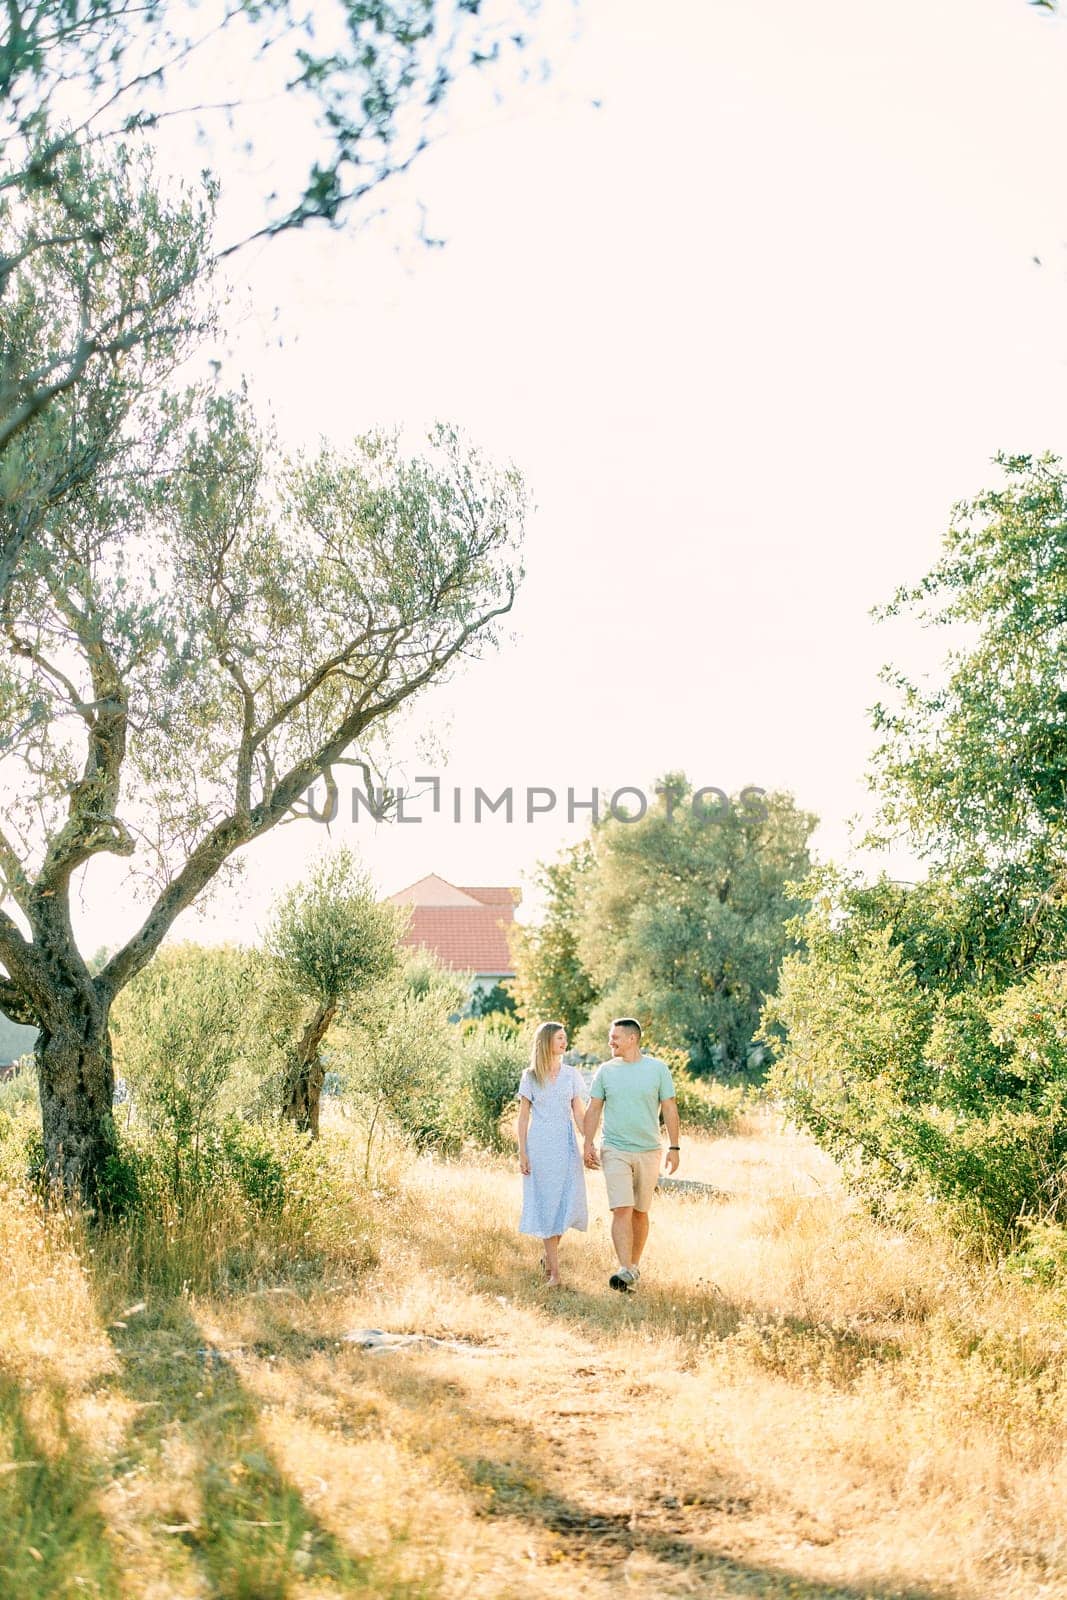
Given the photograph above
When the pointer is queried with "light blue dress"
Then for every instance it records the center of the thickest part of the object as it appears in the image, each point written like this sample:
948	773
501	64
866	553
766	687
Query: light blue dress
553	1193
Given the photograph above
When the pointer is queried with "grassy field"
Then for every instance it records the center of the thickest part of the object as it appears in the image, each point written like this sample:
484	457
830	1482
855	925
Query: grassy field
796	1403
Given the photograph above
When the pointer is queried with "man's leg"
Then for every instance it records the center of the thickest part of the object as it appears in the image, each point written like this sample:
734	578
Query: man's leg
646	1176
639	1235
622	1234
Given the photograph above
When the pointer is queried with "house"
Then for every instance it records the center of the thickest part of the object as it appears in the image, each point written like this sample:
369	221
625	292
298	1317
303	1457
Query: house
462	927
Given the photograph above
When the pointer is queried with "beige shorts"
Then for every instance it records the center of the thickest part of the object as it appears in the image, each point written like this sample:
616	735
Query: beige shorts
631	1176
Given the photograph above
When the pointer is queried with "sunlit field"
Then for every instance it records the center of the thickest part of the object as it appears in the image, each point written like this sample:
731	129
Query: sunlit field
795	1403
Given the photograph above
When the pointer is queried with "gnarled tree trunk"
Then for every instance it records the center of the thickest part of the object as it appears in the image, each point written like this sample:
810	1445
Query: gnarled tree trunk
77	1082
304	1079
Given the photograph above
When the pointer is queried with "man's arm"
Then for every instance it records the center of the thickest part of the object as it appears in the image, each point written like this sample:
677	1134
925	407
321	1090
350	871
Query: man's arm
673	1124
593	1112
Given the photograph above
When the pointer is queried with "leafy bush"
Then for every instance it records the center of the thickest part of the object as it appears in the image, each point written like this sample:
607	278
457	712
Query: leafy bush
400	1063
491	1063
21	1148
18	1094
926	1094
259	1200
1042	1258
705	1106
188	1038
21	1152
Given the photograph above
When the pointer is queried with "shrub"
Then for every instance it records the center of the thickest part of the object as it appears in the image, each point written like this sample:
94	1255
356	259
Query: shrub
706	1106
21	1150
400	1063
491	1064
259	1201
927	1095
1042	1258
21	1147
18	1094
188	1038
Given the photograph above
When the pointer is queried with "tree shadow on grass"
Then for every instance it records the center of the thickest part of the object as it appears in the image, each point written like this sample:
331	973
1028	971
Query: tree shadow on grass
53	1534
700	1316
507	1471
253	1536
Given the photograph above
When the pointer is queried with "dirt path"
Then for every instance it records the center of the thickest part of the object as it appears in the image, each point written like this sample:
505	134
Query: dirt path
796	1403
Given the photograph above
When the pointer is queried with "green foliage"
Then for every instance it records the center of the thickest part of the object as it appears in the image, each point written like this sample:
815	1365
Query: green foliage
371	95
491	1063
926	1094
19	1092
196	628
256	1201
974	770
415	1072
423	975
358	110
1042	1256
926	1024
187	1036
551	981
330	938
705	1106
20	1128
683	921
399	1062
180	597
263	1163
497	1002
330	942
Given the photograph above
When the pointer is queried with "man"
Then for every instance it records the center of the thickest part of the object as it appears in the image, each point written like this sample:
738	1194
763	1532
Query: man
630	1090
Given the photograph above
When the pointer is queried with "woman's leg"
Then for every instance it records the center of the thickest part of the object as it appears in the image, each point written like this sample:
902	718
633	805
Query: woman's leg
552	1260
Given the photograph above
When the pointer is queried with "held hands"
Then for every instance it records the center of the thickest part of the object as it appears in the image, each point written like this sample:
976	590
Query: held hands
591	1159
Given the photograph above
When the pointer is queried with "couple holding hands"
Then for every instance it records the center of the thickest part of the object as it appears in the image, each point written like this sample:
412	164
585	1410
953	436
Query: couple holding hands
629	1091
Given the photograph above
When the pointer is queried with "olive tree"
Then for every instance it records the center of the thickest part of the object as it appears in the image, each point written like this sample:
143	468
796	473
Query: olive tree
200	628
331	104
330	941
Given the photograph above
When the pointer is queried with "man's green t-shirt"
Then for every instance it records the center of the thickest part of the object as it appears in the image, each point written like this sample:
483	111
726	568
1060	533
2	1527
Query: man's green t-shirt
631	1092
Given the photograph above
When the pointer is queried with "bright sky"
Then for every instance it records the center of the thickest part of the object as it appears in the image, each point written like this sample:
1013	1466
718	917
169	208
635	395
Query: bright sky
749	326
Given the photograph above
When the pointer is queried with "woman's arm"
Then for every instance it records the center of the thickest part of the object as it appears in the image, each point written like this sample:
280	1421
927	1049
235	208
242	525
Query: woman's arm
578	1113
524	1124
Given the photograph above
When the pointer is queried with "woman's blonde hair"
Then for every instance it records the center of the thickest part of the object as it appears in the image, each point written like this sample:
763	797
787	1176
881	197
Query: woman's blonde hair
541	1054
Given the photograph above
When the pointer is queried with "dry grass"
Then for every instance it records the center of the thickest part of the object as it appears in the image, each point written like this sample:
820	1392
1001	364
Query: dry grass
797	1403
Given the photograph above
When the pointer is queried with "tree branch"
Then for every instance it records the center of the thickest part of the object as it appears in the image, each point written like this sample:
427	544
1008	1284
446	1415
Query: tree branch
230	834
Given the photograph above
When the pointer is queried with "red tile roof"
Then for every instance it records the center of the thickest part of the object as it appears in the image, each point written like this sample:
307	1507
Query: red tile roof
466	939
492	896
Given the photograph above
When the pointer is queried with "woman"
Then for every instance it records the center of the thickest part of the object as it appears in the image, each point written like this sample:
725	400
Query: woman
553	1178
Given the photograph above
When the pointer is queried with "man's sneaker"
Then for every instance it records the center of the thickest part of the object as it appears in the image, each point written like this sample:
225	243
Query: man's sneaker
623	1280
636	1274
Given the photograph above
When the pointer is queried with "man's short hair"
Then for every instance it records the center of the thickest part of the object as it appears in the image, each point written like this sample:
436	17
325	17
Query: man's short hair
628	1022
